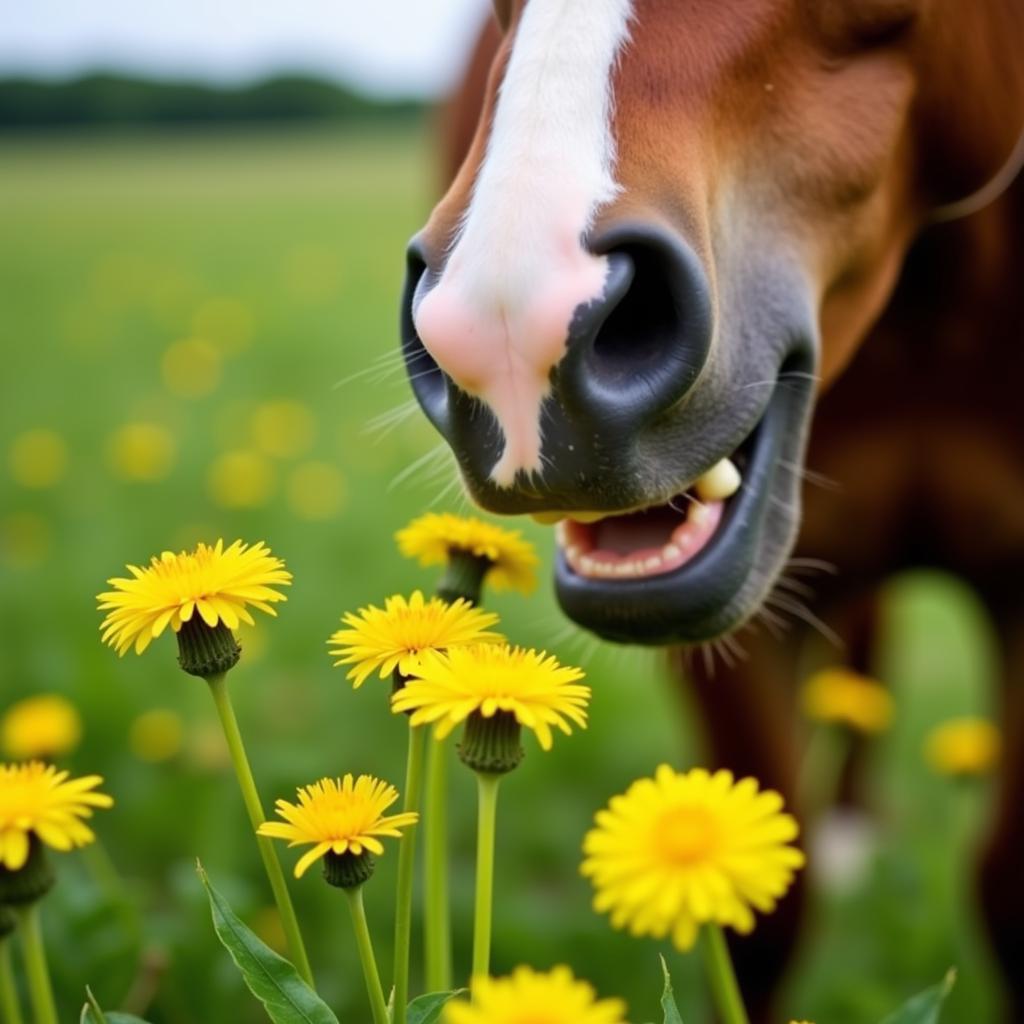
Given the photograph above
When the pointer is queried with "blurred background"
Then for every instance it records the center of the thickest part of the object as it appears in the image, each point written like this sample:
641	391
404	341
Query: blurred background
203	212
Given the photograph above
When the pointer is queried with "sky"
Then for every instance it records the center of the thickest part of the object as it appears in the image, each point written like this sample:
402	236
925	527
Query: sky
387	47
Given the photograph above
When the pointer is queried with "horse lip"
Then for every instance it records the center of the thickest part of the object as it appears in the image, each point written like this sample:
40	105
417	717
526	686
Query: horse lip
693	602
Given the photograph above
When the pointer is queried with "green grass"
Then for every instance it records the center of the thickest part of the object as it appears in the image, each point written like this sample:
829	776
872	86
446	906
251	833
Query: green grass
108	250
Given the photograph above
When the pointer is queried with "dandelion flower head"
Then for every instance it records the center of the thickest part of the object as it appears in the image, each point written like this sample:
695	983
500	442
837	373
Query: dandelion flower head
431	538
220	583
37	799
338	816
532	997
44	726
682	849
397	635
843	696
488	678
963	746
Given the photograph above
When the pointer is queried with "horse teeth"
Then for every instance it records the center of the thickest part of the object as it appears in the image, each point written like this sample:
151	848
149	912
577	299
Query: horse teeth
670	551
721	481
587	517
698	515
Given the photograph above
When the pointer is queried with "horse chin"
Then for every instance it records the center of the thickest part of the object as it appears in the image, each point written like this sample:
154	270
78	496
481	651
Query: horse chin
683	570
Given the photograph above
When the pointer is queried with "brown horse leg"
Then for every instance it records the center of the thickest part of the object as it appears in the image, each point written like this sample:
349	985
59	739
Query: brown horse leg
1002	895
750	728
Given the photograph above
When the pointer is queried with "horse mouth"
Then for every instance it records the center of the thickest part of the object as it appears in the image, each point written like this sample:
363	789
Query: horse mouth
651	541
694	565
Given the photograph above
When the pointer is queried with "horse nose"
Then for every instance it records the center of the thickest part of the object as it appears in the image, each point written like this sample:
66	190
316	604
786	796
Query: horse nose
639	350
627	356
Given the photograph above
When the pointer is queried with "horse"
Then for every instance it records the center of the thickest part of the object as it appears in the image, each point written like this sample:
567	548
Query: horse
690	248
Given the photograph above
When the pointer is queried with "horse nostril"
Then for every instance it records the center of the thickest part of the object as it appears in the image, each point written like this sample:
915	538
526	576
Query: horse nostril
640	349
426	377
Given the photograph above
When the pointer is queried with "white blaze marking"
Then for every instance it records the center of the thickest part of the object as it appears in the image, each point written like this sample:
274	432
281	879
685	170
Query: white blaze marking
498	319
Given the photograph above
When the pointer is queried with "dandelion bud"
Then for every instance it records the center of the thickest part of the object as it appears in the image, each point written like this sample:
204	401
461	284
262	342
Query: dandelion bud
491	745
347	870
33	880
207	650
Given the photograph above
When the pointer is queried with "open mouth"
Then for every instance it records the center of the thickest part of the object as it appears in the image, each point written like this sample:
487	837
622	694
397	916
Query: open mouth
693	566
654	540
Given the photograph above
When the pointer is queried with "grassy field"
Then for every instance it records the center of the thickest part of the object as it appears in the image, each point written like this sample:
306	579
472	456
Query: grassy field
187	322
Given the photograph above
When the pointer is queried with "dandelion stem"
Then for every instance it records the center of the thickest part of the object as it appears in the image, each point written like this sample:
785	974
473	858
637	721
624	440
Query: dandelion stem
718	964
406	870
37	973
251	798
10	1007
366	957
822	768
487	796
437	924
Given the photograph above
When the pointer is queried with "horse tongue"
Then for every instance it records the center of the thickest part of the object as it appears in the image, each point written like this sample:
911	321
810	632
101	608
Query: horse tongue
623	535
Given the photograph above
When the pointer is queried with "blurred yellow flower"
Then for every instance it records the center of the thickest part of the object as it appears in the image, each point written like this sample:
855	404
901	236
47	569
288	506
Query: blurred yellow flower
45	727
37	799
191	368
963	746
486	679
24	539
431	537
530	997
38	459
282	428
316	490
396	637
226	322
339	816
141	451
845	697
241	479
156	735
683	849
220	583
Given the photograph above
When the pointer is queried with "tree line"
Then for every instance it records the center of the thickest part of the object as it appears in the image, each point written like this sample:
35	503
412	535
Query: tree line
113	99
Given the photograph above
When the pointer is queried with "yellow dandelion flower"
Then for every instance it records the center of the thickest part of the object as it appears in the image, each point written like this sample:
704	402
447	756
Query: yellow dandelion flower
45	726
156	735
38	459
490	678
845	697
241	479
339	816
680	850
398	635
142	452
37	799
531	997
431	537
217	582
963	746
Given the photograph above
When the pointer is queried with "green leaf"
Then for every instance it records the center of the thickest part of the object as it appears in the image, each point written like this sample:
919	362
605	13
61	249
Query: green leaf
271	979
92	1014
925	1007
668	999
427	1009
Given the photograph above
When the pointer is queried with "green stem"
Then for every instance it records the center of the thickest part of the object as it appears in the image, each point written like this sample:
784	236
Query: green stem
406	870
822	768
10	1007
487	800
366	957
437	924
721	976
251	798
37	973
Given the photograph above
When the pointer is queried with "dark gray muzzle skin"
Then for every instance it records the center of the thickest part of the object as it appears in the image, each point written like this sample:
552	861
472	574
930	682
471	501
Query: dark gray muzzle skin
650	394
